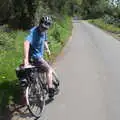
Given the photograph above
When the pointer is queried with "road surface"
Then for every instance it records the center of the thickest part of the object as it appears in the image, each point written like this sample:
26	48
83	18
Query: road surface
89	69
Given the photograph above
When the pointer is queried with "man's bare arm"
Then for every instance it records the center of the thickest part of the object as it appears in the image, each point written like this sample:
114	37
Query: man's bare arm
26	52
47	48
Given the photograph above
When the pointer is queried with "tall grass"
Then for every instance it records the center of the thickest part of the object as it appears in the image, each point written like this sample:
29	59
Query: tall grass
109	27
11	55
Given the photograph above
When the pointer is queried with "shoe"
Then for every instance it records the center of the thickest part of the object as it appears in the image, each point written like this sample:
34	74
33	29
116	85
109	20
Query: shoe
57	90
51	92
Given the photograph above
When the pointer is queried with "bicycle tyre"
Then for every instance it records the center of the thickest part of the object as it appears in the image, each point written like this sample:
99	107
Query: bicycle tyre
35	99
56	82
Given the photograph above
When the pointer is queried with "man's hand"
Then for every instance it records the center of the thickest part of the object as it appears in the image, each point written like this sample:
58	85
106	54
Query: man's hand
26	62
47	49
48	52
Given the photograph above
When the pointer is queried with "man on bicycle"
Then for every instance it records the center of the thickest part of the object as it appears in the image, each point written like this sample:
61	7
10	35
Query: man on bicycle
34	48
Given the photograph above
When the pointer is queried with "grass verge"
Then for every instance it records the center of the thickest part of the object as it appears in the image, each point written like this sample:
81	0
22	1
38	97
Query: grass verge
114	30
11	55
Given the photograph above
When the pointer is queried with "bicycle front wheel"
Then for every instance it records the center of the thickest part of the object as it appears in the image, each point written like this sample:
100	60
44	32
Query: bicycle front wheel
56	82
35	99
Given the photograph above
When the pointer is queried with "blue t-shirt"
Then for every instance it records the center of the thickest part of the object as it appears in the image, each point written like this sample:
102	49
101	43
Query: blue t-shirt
36	40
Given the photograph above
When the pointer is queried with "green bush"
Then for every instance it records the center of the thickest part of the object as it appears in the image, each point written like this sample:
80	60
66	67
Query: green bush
105	26
111	20
11	55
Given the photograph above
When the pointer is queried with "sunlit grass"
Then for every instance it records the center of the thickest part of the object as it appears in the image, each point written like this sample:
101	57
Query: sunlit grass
103	25
11	55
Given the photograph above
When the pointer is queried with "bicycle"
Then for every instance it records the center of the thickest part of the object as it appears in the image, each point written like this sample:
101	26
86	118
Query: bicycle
33	82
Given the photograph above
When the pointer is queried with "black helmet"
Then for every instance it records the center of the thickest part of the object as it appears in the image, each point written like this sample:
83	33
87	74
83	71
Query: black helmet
45	22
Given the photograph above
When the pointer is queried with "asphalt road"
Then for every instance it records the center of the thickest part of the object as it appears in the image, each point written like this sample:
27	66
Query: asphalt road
89	69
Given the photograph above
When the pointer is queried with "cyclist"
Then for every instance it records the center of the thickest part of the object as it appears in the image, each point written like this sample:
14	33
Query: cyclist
34	48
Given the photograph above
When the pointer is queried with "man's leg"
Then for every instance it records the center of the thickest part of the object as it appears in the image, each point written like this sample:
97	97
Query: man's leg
49	77
49	71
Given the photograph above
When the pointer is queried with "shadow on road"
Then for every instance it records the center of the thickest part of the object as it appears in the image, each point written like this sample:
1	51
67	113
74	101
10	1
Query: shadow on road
22	112
10	100
11	103
9	93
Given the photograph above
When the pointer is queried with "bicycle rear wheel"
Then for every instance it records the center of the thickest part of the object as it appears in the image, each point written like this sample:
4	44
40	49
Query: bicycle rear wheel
35	99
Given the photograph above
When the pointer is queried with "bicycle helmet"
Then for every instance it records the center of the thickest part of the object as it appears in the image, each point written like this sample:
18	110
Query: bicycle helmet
45	22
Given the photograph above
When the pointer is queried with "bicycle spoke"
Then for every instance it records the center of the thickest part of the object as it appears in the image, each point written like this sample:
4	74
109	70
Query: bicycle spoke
36	99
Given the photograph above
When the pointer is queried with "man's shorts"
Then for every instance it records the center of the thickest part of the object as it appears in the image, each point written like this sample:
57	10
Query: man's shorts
44	66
